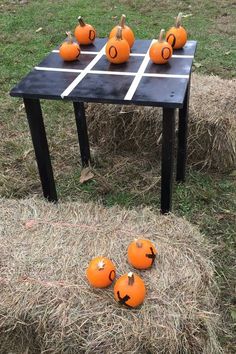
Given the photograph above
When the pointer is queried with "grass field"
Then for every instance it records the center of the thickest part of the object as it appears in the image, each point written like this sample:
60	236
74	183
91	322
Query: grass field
207	199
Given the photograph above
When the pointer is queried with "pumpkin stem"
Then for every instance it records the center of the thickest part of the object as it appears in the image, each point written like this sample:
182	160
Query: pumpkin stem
130	278
139	244
119	33
122	21
69	36
161	36
178	20
101	265
81	21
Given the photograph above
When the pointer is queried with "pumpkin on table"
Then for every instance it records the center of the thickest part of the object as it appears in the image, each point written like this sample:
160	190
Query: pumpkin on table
84	33
130	290
117	48
69	50
127	32
101	272
177	35
160	51
141	253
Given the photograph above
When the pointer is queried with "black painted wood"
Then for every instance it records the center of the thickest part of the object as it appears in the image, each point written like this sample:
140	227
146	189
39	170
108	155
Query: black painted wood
167	161
188	49
81	124
180	66
182	139
92	88
38	134
132	65
51	84
141	46
167	92
170	92
54	60
43	84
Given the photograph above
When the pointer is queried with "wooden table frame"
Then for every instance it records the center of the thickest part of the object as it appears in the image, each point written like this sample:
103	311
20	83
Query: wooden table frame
39	138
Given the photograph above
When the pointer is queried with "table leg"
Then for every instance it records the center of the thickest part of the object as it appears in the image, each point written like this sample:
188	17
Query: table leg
167	160
182	139
39	139
81	124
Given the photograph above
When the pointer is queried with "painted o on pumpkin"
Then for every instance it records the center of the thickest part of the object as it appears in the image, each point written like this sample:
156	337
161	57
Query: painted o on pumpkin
127	32
69	50
117	48
160	51
101	272
84	33
130	290
177	35
141	254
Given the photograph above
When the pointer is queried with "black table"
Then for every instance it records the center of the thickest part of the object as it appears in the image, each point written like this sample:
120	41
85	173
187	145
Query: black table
93	79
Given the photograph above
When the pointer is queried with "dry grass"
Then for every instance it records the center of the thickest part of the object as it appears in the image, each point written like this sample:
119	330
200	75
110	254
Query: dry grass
212	128
46	305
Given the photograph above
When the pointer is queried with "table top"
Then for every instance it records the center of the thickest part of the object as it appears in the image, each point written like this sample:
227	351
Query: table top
93	79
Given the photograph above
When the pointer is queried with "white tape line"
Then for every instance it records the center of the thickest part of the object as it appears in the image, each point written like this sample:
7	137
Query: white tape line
84	73
142	68
44	68
122	73
182	56
137	54
171	76
119	73
82	52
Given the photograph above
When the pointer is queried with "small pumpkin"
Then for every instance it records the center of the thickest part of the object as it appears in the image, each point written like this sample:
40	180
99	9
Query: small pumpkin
130	290
101	272
69	50
84	33
127	32
160	51
177	35
141	253
117	48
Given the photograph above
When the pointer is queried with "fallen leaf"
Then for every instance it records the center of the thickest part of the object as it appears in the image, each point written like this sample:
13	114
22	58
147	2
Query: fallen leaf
86	175
187	15
197	65
39	29
21	107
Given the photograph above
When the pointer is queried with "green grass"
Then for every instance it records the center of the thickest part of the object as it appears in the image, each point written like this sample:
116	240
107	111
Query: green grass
207	199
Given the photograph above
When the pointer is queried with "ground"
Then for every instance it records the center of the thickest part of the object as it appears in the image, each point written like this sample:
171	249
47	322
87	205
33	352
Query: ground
29	30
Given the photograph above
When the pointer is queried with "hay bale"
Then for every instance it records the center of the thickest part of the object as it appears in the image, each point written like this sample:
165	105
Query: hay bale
46	304
212	127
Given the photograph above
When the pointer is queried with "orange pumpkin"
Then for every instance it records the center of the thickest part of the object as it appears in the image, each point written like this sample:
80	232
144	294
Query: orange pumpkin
84	33
130	290
101	272
141	254
177	36
117	48
160	51
127	32
69	50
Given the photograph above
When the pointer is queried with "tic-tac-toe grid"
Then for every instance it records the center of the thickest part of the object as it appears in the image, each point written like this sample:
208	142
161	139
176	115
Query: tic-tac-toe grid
92	78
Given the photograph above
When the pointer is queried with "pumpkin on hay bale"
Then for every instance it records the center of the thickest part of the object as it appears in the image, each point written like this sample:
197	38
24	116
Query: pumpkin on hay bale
212	125
47	305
